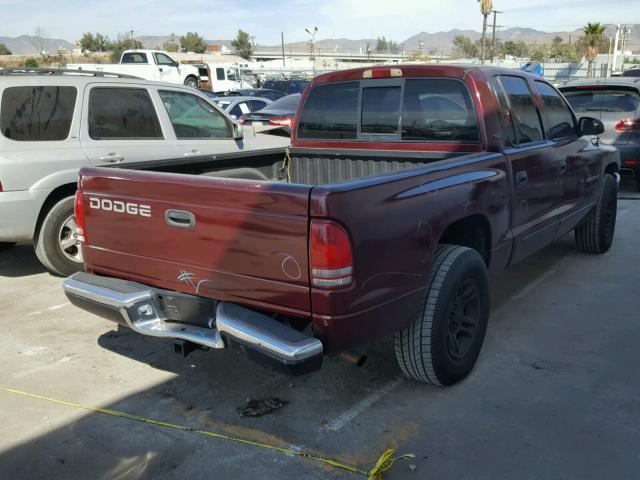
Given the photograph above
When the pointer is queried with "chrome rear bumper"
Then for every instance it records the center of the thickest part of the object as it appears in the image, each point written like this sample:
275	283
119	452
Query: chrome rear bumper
178	316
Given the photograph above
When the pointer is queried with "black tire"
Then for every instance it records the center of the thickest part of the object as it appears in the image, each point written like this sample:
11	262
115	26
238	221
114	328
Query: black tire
6	245
54	231
442	344
595	234
191	82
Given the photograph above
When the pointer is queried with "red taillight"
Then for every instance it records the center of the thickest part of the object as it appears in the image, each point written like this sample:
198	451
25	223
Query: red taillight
241	120
281	121
628	125
330	254
78	212
631	162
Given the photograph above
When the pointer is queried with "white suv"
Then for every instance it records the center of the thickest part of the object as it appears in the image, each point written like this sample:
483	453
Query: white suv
53	122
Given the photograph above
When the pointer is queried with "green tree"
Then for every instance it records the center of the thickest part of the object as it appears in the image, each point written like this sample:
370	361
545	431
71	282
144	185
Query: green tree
381	45
94	43
516	49
464	45
31	63
192	42
171	47
4	50
593	33
242	45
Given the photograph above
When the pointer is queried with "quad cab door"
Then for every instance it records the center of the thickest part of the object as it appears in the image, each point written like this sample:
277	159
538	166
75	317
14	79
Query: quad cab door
536	170
121	124
576	158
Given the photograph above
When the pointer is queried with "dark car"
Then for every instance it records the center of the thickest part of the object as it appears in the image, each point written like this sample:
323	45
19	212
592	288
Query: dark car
262	93
280	113
287	86
632	72
617	103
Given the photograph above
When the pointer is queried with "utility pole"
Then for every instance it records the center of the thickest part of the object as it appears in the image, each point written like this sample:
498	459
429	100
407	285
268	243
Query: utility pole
131	39
493	36
313	37
625	31
615	48
609	58
282	42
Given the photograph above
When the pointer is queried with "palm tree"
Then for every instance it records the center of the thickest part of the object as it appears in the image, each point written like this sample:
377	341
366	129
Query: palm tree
592	34
485	8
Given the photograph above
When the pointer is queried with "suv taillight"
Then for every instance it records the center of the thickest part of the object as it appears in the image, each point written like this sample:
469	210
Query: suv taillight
330	255
78	212
628	125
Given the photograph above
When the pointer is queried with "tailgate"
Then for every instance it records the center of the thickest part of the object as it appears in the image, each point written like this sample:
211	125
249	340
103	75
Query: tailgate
226	239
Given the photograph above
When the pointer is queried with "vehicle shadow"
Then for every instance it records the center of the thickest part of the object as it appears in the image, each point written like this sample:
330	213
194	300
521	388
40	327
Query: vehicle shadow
20	261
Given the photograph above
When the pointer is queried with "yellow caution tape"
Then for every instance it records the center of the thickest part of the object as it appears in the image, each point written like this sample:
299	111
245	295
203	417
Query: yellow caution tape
383	464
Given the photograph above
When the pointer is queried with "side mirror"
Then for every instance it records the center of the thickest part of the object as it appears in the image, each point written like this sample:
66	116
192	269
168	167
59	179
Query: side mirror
590	126
238	134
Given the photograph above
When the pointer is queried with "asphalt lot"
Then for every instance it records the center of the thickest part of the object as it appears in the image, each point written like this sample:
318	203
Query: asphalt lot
555	394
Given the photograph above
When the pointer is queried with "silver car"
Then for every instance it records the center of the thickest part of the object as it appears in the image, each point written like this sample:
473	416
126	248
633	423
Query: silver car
237	106
615	101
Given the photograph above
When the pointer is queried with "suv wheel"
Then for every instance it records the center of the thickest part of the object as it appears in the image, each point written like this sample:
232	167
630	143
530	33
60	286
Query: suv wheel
191	82
57	247
442	344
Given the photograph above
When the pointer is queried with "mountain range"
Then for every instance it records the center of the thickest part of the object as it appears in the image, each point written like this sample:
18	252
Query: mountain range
431	42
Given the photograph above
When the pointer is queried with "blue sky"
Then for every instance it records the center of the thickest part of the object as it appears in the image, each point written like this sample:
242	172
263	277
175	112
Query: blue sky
215	19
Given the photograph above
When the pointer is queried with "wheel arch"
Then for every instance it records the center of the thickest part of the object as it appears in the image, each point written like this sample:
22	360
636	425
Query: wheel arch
57	194
473	231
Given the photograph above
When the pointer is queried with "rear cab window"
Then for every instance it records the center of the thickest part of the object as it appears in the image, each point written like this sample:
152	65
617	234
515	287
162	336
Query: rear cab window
39	113
524	113
134	57
122	113
410	110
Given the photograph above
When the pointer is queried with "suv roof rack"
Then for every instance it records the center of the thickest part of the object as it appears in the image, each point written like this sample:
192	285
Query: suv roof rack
60	71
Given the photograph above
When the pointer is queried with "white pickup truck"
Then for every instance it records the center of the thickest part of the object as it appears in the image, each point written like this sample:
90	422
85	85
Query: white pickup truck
149	65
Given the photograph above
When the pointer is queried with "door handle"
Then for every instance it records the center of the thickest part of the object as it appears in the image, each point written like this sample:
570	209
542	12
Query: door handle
563	167
160	69
522	178
192	153
111	158
180	218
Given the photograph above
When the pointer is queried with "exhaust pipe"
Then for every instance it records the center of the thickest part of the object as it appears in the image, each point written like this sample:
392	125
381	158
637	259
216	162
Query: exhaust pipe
353	357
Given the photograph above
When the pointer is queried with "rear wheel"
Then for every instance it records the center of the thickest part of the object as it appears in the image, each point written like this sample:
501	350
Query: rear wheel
595	234
442	344
191	82
57	246
6	245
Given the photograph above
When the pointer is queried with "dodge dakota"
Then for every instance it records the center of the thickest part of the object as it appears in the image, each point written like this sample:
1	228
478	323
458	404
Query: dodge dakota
403	187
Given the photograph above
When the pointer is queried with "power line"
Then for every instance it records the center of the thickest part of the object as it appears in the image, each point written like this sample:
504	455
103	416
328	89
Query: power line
565	5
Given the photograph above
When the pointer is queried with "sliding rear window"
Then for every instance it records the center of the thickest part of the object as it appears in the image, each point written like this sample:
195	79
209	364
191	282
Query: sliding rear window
602	100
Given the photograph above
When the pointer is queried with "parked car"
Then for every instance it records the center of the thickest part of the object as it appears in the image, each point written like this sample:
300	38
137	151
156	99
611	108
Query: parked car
53	122
632	72
149	65
280	113
287	87
615	101
402	188
239	106
262	93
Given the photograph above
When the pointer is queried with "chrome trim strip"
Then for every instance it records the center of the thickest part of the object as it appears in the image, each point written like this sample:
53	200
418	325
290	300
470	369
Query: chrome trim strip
331	272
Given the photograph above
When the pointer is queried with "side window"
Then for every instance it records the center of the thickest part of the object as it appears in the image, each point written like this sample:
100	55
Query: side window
220	73
134	57
330	112
380	110
560	118
231	75
193	117
438	110
122	113
526	120
37	113
257	105
162	59
240	109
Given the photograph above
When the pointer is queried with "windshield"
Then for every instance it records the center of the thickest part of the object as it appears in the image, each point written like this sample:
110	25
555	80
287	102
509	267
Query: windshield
606	100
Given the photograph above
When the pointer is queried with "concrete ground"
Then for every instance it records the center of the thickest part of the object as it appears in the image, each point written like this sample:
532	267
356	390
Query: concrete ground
555	393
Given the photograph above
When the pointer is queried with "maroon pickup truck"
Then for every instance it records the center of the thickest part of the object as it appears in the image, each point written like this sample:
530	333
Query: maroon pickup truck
402	188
